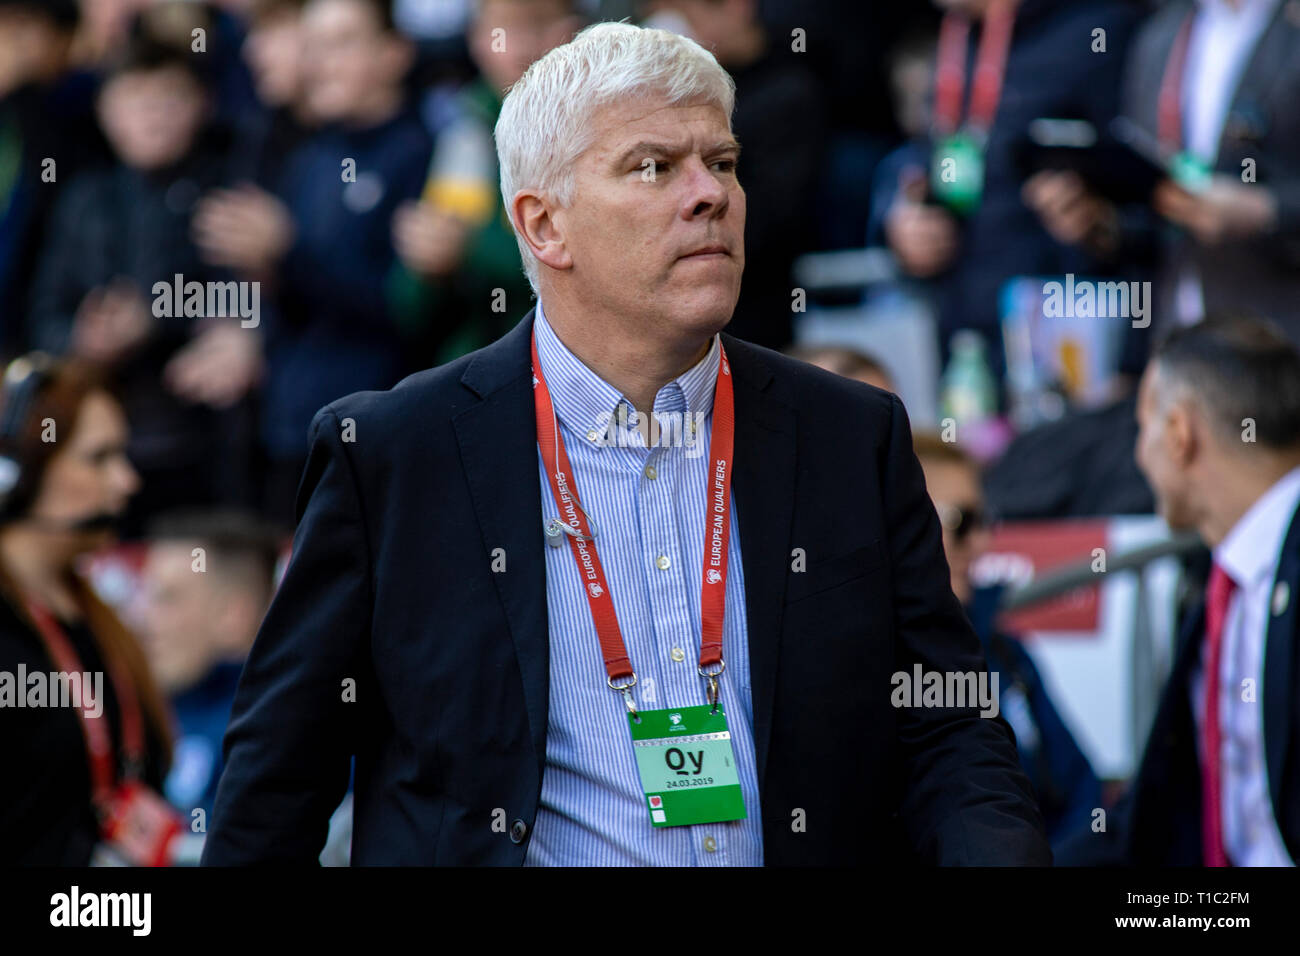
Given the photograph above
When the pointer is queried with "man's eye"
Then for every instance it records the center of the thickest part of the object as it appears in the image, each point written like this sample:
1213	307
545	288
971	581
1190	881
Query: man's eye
725	165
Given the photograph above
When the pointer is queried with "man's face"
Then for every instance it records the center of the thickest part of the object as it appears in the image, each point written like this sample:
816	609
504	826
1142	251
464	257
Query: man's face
153	117
175	612
347	59
1160	455
657	224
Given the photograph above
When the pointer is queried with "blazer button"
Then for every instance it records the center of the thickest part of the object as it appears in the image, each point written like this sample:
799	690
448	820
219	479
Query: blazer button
518	830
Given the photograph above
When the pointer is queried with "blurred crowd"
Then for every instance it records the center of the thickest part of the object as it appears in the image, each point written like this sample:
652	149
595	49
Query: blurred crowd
226	214
335	162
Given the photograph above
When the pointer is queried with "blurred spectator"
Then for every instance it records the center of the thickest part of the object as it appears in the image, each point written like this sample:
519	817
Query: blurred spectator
780	120
273	51
950	206
322	240
199	612
1063	779
47	135
456	245
61	500
847	362
114	235
1219	779
1213	85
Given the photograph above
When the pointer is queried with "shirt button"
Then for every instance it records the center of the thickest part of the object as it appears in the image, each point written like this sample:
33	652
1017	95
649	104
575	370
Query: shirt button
710	844
650	472
662	562
677	654
593	435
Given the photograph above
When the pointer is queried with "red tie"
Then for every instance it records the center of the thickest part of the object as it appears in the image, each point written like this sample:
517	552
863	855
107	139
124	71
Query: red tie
1217	595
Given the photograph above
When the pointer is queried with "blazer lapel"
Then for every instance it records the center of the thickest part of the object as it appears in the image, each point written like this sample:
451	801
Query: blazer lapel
498	449
1279	657
763	486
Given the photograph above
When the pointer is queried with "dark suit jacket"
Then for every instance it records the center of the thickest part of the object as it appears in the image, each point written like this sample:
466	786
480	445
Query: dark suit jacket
1158	822
1261	275
406	496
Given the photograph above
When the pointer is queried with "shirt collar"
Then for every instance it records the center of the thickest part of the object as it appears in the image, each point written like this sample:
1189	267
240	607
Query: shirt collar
585	402
1250	550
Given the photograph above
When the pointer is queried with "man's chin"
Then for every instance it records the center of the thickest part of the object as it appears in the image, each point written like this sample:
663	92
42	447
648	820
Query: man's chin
707	310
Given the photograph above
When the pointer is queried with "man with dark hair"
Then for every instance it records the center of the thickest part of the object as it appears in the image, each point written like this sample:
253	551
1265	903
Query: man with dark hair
207	581
1219	440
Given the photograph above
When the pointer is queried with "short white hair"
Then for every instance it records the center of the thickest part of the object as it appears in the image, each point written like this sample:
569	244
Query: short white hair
543	127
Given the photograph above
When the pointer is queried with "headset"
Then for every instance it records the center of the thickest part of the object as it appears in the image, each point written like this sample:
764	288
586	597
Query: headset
23	380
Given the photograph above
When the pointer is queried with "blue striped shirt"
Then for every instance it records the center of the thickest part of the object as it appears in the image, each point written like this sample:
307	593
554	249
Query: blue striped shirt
648	507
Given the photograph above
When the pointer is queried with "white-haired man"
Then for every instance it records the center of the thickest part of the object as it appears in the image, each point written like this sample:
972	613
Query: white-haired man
535	613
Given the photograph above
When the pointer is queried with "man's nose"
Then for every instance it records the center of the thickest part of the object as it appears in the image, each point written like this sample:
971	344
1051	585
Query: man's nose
706	194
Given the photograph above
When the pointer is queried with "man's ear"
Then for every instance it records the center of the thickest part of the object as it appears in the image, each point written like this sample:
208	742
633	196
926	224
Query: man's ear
533	215
1184	433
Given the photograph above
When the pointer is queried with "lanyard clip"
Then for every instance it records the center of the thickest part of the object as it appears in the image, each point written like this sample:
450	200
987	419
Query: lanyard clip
626	691
712	692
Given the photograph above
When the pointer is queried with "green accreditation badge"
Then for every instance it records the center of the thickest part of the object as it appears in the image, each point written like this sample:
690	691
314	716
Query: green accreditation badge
687	766
957	173
1190	172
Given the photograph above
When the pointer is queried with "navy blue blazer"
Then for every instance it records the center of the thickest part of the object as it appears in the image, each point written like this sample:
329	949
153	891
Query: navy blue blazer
1158	821
392	639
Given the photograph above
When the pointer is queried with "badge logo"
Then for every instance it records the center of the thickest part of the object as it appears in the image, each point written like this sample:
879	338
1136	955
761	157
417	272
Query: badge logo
714	576
656	802
595	589
675	719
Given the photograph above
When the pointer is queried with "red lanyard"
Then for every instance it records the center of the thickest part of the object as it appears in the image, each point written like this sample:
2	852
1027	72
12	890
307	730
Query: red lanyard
990	68
99	744
717	533
1169	105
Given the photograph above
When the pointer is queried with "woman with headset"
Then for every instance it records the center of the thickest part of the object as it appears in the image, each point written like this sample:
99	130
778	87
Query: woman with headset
84	731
